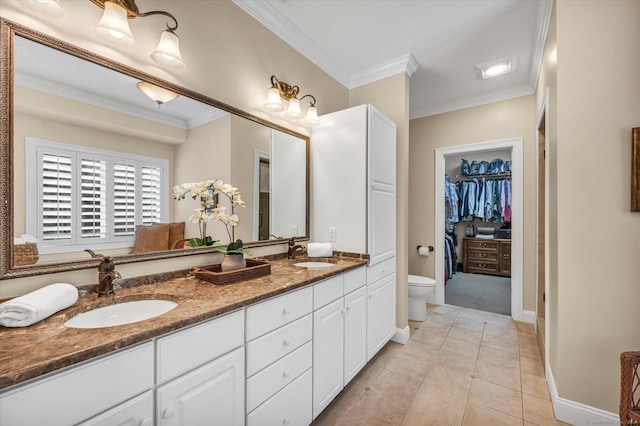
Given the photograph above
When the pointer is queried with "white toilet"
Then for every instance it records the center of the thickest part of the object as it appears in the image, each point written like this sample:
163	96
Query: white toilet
420	288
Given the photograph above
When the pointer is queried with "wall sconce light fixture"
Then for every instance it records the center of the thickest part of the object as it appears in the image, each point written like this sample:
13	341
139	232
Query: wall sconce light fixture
51	8
279	90
158	94
115	27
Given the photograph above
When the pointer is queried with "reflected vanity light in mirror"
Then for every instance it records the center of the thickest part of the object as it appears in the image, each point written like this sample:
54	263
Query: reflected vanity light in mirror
43	99
157	94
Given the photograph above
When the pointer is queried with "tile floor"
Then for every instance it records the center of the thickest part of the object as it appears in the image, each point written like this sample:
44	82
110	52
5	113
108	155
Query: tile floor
460	367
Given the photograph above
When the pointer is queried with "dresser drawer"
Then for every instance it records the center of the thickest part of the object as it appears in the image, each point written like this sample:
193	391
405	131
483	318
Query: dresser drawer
483	244
184	350
381	270
481	256
355	279
269	381
267	316
291	406
483	267
327	291
269	348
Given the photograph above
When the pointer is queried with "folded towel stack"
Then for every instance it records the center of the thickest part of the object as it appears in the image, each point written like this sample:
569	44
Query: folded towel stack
25	310
319	250
25	239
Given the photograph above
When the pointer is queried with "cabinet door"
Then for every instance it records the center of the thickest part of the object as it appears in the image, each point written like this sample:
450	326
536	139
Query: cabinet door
135	412
212	394
328	350
381	314
505	258
355	333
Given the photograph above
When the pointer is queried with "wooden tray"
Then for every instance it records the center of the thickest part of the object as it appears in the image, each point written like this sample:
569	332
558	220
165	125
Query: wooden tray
213	273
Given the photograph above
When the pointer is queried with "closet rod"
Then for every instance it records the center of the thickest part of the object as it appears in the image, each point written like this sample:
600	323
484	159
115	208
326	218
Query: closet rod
486	176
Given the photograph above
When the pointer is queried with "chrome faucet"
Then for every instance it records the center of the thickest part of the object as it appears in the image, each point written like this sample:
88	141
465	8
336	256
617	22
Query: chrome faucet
107	277
293	248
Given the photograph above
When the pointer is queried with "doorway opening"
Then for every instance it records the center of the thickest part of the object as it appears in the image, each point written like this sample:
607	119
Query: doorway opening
514	147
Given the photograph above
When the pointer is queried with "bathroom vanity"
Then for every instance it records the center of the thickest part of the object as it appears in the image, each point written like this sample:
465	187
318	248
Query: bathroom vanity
287	342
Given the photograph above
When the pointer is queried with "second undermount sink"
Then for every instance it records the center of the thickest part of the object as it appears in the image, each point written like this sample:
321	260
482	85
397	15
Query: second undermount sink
121	313
313	264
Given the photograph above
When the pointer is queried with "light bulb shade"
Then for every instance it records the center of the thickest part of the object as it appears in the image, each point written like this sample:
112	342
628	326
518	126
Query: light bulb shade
294	110
273	103
114	25
312	116
158	94
168	51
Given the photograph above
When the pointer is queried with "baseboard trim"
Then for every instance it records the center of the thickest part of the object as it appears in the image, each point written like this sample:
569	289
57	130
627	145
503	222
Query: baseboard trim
575	413
529	316
402	335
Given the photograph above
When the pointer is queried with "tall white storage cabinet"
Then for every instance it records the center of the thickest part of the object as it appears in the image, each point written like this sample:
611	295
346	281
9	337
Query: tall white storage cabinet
353	157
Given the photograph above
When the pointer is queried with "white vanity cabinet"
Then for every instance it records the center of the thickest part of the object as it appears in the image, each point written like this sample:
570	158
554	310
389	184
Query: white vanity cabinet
77	393
381	305
339	335
353	155
279	334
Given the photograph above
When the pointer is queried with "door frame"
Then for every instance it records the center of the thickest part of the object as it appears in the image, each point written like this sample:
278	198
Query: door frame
544	114
257	156
517	214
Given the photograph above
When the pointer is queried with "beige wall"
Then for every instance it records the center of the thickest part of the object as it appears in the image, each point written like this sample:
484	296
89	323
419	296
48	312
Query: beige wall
229	56
391	96
500	120
597	237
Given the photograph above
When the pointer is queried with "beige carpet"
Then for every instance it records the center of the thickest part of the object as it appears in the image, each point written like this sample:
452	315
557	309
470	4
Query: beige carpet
477	291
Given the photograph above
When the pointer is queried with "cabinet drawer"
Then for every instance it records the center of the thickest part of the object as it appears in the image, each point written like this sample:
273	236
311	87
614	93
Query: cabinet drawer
327	291
483	244
355	279
482	255
81	391
187	349
269	381
137	411
483	267
267	316
290	406
273	346
381	270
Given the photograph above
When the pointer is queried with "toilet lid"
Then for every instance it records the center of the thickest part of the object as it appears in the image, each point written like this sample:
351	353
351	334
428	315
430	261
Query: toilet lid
420	281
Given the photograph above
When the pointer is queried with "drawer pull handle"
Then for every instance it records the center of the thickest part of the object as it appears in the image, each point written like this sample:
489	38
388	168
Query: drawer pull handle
168	413
286	310
286	373
286	420
146	421
286	342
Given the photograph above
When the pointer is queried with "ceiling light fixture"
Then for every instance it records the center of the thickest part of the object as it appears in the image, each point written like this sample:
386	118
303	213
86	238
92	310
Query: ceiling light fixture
158	94
280	90
495	68
115	27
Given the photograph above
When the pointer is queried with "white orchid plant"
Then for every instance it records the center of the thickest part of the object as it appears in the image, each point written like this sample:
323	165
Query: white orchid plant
208	193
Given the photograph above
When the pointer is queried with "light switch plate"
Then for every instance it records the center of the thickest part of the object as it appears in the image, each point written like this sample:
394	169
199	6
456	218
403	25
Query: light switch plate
332	234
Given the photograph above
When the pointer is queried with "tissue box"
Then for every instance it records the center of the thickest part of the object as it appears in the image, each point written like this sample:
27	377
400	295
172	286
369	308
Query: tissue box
25	254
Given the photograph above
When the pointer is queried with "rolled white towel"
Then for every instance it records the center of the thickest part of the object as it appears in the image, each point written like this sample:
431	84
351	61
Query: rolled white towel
18	241
319	250
25	310
28	238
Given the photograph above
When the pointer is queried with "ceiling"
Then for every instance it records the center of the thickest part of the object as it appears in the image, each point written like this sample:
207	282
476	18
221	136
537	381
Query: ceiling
437	42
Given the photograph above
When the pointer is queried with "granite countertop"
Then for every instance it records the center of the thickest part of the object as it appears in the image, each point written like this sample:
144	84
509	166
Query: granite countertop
29	352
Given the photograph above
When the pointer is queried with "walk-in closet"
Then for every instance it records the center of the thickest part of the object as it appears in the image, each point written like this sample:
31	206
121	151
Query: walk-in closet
478	194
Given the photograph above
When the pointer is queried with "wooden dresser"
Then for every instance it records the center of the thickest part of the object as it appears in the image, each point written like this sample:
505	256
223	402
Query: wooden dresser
482	256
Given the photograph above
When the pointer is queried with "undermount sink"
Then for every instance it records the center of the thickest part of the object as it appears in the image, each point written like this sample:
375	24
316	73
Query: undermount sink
313	264
121	313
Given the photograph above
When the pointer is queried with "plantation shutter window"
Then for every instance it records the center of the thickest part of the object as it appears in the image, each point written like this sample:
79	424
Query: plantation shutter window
90	198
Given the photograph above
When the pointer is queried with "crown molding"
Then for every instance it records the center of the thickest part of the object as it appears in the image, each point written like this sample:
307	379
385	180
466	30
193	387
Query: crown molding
206	117
537	51
473	101
275	22
404	64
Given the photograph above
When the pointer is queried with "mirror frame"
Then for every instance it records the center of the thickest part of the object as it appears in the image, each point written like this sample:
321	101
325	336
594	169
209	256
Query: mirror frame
8	30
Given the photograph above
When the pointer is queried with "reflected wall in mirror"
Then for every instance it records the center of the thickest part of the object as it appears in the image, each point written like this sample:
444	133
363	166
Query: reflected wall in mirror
94	158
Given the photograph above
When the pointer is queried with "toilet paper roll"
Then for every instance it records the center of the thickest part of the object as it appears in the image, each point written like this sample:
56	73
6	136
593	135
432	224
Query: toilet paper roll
423	251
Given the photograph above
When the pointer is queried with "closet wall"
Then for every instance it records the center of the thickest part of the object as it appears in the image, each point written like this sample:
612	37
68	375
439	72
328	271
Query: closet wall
452	169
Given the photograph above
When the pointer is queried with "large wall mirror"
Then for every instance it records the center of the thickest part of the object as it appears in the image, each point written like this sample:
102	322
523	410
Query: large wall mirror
87	158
